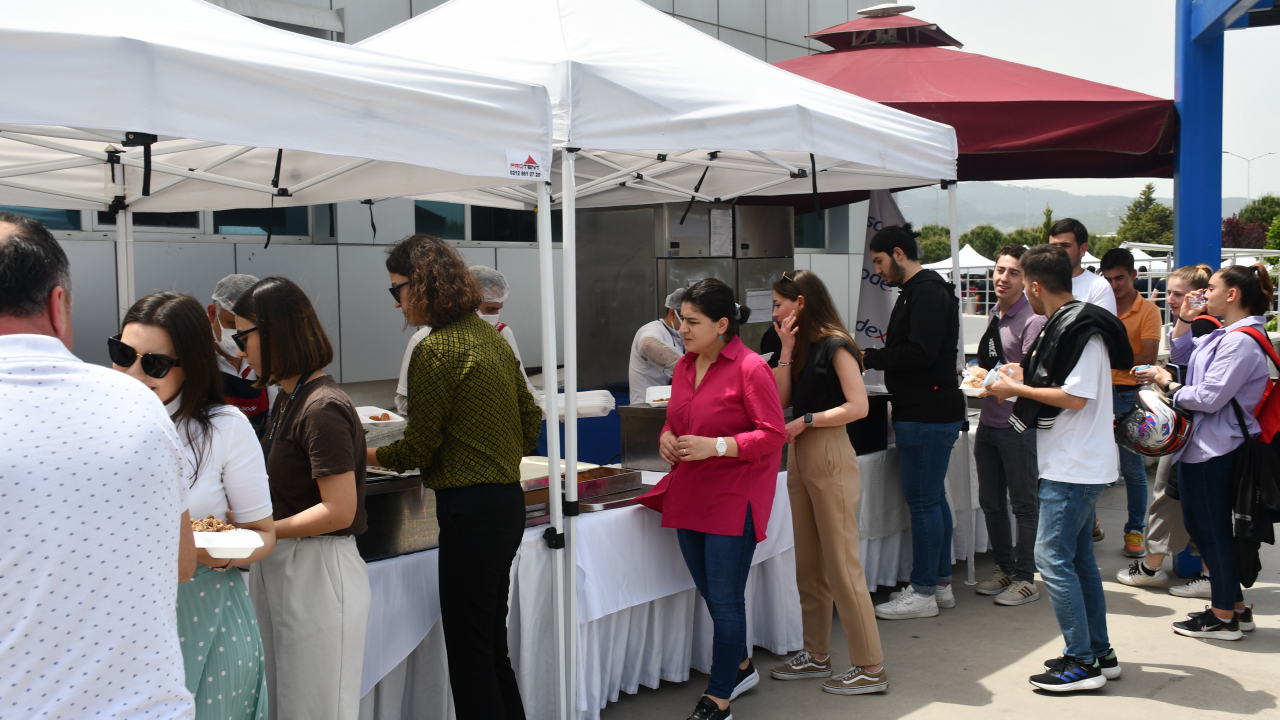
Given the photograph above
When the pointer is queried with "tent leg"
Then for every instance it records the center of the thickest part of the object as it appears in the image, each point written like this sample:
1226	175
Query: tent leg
549	373
569	248
964	445
126	289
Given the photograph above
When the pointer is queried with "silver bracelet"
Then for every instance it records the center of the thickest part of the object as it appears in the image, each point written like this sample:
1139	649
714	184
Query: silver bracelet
783	364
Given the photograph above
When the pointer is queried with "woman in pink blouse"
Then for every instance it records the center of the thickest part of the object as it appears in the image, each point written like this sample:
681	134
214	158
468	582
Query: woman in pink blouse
723	439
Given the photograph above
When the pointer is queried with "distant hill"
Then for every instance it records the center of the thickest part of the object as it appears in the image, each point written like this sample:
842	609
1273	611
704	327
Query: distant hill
1008	207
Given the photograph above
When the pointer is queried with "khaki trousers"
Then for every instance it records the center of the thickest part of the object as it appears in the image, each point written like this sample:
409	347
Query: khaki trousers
1166	533
824	483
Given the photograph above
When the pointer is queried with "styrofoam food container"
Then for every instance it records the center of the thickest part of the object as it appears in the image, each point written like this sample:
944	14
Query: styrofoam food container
652	394
365	411
238	543
971	391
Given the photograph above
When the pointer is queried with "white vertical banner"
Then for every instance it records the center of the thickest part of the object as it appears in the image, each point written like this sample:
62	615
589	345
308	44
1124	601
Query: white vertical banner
875	299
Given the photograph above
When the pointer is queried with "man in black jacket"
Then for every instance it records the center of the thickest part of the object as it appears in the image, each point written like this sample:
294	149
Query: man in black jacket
919	364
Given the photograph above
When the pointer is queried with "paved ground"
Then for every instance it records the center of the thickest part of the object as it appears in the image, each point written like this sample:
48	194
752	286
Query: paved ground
974	661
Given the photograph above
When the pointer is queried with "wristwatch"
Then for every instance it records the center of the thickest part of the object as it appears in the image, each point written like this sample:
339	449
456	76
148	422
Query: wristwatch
808	419
721	447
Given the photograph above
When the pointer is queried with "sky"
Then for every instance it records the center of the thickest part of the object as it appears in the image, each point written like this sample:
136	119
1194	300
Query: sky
1128	43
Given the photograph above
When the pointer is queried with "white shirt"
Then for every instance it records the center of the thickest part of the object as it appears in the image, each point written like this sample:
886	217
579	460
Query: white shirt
1081	447
402	387
231	470
509	335
91	496
1094	289
650	366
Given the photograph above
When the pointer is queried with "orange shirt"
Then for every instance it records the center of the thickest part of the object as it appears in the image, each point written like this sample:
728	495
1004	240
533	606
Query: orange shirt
1142	323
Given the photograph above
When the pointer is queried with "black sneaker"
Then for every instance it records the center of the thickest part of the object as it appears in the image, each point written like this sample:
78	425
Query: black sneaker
1070	674
708	710
1245	617
1109	664
747	679
1210	626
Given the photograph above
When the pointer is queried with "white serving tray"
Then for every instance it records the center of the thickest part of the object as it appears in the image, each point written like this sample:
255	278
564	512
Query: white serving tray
238	543
652	394
365	411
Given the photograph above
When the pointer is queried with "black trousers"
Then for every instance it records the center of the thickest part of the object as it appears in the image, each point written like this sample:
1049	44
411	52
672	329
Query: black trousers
480	531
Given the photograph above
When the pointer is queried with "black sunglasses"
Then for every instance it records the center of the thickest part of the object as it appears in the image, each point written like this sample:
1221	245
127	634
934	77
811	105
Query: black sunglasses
242	337
154	365
395	290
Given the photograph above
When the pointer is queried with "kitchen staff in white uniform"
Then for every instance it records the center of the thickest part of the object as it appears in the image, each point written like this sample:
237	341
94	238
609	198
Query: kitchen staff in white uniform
494	291
655	350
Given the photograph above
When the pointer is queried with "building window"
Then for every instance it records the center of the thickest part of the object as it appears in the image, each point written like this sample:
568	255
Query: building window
165	221
254	221
502	225
52	219
446	221
811	231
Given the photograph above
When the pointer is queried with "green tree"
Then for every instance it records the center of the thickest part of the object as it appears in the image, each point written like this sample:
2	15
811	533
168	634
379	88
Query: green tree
1146	220
1026	236
1100	245
1048	223
1263	210
935	241
986	239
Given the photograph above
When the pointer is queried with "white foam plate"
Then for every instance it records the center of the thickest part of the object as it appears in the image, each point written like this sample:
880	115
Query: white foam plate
971	392
238	543
365	411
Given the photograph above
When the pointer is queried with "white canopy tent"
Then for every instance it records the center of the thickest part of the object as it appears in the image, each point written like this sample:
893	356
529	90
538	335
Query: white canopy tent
179	105
970	259
646	110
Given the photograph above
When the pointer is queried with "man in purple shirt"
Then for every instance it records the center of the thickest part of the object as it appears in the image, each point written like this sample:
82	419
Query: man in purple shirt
1006	458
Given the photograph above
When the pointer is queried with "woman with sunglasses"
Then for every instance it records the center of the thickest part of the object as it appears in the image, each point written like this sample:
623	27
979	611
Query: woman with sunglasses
166	345
312	593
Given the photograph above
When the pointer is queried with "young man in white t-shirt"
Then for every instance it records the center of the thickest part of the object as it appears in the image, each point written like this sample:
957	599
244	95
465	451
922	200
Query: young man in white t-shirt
1067	400
1071	235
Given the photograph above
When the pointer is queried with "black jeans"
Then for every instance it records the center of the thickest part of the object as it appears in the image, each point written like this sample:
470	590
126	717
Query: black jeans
480	531
1207	492
1007	467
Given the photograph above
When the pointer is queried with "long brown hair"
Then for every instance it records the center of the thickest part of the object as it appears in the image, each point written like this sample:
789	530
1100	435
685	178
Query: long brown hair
1254	284
441	287
187	323
819	318
290	334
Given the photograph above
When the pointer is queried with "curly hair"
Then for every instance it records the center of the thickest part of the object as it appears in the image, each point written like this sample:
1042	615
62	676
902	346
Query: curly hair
441	289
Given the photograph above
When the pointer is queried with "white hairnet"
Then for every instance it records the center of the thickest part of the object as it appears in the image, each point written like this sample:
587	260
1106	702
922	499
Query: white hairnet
230	288
493	284
675	298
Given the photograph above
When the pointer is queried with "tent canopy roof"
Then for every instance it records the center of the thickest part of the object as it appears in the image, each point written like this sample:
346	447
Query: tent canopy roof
626	78
969	259
223	94
1013	121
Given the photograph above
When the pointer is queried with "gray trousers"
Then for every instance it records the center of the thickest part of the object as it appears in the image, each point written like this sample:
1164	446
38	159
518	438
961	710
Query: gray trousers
1166	535
1009	474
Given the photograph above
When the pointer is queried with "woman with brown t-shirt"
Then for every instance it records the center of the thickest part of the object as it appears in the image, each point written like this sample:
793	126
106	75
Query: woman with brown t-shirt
312	594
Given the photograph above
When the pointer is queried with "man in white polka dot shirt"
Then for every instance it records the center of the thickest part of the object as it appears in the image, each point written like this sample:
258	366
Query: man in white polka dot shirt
94	534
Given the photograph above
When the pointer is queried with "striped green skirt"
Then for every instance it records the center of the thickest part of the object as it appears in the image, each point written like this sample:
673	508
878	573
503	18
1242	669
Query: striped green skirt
221	648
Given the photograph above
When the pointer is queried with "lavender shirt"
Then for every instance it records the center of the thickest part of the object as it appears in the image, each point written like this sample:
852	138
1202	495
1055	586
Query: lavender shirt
1222	365
1019	329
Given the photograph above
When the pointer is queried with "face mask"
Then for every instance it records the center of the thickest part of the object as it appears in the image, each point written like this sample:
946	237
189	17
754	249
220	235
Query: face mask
228	345
491	319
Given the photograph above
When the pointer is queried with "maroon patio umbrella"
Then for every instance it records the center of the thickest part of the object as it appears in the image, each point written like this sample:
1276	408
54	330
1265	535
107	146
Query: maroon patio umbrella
1013	122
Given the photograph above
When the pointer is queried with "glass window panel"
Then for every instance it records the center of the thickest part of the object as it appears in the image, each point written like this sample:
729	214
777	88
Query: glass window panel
175	220
443	220
254	221
503	225
52	219
811	231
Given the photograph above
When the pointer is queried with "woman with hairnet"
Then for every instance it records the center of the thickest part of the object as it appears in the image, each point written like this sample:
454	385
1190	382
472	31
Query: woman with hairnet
238	378
494	291
655	349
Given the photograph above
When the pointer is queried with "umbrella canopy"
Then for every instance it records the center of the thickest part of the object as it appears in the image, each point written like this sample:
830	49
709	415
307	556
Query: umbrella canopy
970	259
1089	258
1014	122
207	100
662	111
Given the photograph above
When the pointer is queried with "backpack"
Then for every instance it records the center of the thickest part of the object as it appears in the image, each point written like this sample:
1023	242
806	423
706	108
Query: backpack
1268	411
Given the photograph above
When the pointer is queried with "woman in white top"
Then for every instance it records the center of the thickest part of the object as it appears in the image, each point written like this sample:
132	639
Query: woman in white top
166	345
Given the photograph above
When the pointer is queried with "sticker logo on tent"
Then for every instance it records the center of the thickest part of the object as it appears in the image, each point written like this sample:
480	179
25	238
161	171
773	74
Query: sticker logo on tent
524	164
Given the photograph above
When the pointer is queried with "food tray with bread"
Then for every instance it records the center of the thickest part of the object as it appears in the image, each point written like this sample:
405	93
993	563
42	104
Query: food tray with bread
974	378
224	540
377	418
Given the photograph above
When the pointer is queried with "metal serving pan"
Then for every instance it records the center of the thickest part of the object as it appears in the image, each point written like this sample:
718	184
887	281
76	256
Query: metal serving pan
401	516
591	483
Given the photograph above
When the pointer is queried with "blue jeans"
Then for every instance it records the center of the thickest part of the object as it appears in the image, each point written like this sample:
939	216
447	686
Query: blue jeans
1064	556
719	565
1207	492
924	451
1131	467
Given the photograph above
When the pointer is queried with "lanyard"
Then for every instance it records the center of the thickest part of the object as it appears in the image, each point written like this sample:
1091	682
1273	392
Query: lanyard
266	453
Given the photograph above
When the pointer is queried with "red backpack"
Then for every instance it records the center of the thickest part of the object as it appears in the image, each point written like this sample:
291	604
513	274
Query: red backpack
1268	411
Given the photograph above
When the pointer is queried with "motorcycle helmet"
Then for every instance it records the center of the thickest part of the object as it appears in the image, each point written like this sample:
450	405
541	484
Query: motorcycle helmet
1153	427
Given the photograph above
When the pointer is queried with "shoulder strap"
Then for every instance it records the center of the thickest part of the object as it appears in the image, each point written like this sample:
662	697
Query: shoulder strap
1210	319
1263	341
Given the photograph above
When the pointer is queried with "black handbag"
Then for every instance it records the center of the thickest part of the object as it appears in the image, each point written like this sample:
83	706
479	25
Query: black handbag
1257	500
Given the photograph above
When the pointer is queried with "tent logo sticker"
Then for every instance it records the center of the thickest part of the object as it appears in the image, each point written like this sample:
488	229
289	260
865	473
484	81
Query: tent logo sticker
525	165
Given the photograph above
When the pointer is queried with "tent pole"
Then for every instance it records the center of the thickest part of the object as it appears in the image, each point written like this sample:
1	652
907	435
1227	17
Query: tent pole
569	248
964	436
555	534
126	291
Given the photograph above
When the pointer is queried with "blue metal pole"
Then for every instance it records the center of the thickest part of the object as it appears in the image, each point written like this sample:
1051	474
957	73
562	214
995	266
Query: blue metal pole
1197	173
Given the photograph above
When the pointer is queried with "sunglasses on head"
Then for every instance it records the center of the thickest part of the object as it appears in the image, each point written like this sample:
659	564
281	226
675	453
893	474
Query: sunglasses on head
153	364
241	338
395	290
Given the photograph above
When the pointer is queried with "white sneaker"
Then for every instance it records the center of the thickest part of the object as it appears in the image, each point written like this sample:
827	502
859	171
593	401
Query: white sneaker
1134	576
908	605
1019	592
996	585
1197	588
944	594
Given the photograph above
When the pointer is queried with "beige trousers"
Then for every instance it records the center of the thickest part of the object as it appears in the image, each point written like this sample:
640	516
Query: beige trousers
824	483
1166	535
312	599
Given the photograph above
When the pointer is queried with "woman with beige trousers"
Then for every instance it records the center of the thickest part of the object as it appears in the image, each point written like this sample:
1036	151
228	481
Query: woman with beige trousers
819	375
